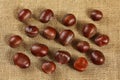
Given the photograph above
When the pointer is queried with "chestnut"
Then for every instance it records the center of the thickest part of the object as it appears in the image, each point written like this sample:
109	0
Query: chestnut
69	20
96	15
24	15
101	40
48	67
31	31
50	33
15	41
80	64
83	46
21	60
39	50
89	30
46	15
62	57
97	57
66	37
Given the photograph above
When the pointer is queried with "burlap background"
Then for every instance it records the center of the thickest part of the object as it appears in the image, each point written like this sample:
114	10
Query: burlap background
109	25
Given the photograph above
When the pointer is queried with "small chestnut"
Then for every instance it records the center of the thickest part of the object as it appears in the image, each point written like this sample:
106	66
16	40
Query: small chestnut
97	57
62	57
101	40
66	37
48	67
24	15
69	20
39	50
50	33
96	15
21	60
89	30
32	31
15	41
80	64
46	15
83	46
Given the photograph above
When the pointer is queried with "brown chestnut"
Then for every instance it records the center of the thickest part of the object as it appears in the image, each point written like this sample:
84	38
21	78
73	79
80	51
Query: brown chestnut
83	46
50	33
21	60
97	57
89	30
66	37
69	20
15	41
32	31
96	15
46	15
48	67
80	64
101	40
24	15
62	57
39	50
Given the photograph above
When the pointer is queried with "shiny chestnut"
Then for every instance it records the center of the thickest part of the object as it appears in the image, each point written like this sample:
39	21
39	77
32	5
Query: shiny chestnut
69	20
48	67
97	57
46	15
21	60
62	57
80	64
15	41
101	40
24	15
96	15
39	50
66	37
83	46
50	33
89	30
31	31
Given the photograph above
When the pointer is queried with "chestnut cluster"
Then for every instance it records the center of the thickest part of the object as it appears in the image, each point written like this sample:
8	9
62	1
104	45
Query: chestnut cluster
65	37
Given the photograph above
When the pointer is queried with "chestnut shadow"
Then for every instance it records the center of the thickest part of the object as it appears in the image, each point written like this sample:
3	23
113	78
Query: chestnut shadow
52	53
9	56
79	26
7	37
21	28
88	12
71	62
87	54
37	12
60	16
74	43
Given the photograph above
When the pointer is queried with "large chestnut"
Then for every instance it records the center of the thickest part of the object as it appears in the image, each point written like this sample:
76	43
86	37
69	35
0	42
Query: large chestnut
66	37
21	60
39	50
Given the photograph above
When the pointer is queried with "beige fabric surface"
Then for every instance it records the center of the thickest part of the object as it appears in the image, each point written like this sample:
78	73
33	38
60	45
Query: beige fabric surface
109	25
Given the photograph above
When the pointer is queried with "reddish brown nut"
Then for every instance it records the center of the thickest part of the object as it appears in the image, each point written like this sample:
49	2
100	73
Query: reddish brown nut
62	57
15	41
80	64
96	15
66	37
89	30
83	46
32	31
21	60
50	33
24	15
46	15
69	20
39	50
48	67
101	40
97	57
